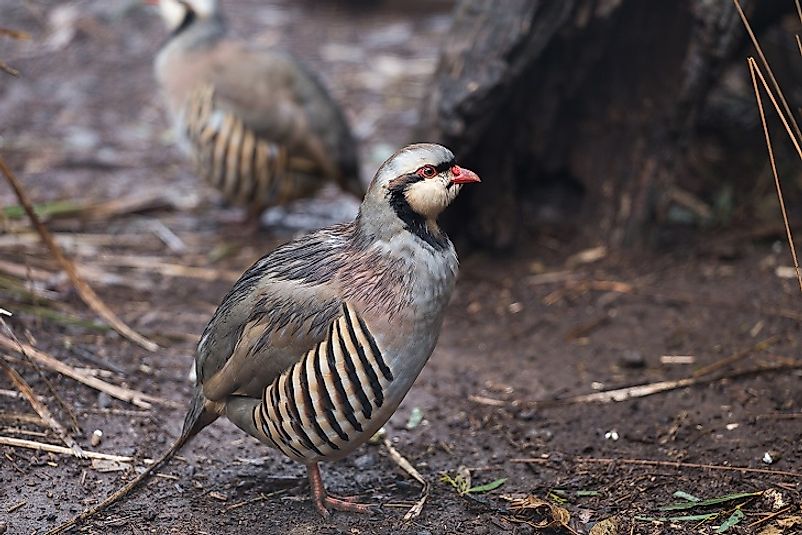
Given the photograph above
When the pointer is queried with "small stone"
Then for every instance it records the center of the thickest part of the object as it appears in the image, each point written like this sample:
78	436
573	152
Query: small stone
771	457
632	359
3	527
611	435
363	462
527	415
103	400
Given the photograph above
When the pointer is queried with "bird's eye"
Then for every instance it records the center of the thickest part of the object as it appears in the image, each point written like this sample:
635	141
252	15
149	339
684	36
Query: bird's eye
427	171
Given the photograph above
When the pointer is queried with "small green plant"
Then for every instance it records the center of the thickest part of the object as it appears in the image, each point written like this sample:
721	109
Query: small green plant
462	484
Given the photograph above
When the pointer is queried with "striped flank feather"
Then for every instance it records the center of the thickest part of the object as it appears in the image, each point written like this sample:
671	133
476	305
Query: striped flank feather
247	169
327	398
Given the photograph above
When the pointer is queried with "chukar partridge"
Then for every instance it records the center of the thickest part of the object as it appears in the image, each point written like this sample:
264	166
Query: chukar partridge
318	342
260	127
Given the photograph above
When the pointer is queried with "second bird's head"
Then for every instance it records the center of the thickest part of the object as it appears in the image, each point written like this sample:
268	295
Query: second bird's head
417	183
178	13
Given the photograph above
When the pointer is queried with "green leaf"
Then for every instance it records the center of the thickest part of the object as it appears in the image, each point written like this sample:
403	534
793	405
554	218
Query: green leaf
712	501
558	496
415	418
684	518
458	482
45	210
487	487
682	495
733	520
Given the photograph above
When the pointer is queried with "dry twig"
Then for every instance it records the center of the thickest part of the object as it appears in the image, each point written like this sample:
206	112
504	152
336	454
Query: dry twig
75	426
671	464
52	448
135	397
407	467
40	408
86	292
738	355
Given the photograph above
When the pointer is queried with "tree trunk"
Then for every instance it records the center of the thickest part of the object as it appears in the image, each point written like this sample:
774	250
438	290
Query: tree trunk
602	93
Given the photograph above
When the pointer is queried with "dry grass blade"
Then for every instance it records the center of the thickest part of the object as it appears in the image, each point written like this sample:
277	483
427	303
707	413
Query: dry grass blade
407	467
667	464
19	35
128	205
68	409
8	68
754	71
135	397
764	61
738	355
40	408
156	265
799	12
52	448
675	464
86	292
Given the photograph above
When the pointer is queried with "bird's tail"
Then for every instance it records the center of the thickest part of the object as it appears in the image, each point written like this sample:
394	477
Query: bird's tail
201	413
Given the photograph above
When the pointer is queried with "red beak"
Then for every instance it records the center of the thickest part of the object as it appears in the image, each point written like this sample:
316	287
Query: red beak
460	175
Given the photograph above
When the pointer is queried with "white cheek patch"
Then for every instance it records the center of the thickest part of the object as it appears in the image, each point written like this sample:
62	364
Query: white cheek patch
430	197
172	12
204	8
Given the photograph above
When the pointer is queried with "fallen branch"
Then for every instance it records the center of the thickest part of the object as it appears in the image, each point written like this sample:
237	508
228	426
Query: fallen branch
671	464
85	291
135	397
40	408
407	467
640	391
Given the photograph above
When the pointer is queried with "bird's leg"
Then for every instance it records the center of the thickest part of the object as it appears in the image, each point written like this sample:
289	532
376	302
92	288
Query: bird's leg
323	500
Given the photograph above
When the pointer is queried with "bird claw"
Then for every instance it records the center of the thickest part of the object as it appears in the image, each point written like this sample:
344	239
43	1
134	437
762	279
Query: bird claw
346	504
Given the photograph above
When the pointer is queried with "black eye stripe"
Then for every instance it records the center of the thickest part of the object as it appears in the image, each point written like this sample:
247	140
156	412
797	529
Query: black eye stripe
445	165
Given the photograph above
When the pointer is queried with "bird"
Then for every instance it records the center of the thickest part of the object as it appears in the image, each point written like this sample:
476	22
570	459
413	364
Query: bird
259	125
317	343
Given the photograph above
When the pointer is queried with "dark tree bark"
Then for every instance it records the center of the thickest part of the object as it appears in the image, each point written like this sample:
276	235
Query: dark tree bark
606	93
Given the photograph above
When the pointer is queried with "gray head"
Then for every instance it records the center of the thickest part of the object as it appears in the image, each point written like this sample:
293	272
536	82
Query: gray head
180	13
411	189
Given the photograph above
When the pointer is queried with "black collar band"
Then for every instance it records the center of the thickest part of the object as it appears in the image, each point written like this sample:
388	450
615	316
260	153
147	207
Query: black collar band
189	18
413	221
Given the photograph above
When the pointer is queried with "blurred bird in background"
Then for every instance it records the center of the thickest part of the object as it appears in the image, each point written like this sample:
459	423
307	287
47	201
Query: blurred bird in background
260	127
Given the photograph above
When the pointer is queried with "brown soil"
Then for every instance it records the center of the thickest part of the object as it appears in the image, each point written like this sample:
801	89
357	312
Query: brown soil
83	122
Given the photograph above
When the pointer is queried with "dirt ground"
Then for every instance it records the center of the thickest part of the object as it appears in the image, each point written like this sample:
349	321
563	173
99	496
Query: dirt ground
83	122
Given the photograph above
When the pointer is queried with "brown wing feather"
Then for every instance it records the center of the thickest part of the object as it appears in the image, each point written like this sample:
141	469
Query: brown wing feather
278	310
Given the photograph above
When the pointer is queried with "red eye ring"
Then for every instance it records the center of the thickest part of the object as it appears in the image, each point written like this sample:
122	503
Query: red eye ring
427	171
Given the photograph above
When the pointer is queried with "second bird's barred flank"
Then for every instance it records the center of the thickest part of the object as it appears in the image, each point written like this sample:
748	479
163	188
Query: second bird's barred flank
327	398
245	168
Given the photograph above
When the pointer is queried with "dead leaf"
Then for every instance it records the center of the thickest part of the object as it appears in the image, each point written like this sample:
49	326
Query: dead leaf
608	526
539	513
107	465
